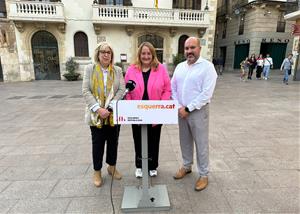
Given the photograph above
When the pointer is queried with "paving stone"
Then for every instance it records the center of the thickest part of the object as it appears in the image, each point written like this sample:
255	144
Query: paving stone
279	200
28	190
3	185
218	165
2	168
241	201
97	204
63	172
70	159
36	150
4	150
239	179
24	160
281	178
211	200
22	173
6	205
56	205
78	188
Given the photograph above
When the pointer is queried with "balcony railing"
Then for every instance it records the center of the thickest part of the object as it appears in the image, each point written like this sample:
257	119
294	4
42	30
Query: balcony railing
149	16
37	11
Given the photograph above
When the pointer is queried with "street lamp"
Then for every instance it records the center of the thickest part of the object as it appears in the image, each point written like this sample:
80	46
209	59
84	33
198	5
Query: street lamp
206	6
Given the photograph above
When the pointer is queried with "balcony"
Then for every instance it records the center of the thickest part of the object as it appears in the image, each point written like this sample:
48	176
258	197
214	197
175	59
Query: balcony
37	11
104	14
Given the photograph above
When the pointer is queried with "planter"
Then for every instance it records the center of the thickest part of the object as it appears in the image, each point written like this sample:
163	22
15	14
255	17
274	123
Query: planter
71	77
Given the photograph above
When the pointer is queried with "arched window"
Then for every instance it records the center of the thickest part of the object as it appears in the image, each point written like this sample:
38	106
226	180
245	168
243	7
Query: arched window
181	42
2	9
156	41
45	56
81	44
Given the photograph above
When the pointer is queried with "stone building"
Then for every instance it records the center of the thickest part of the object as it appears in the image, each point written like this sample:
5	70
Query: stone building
42	35
245	27
295	17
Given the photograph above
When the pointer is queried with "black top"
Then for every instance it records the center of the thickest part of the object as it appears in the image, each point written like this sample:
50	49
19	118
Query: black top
252	62
146	78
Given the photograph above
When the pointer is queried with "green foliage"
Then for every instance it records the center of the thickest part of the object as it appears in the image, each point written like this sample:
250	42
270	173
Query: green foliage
71	65
119	64
178	59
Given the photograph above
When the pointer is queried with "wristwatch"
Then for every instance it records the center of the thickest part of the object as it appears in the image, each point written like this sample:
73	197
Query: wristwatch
187	110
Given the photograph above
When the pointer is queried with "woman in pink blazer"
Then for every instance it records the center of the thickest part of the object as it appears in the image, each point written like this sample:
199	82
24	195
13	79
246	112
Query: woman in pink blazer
152	83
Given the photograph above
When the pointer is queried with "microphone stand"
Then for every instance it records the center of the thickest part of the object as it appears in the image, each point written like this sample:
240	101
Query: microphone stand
145	197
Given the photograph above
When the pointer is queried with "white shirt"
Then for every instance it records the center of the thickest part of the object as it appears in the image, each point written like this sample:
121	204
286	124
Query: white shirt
268	61
260	62
193	85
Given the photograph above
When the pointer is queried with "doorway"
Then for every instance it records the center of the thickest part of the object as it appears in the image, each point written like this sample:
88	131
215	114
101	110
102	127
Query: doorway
241	52
181	42
276	50
45	56
223	54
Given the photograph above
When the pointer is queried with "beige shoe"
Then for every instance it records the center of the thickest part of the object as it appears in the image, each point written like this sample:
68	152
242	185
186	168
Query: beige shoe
97	178
181	173
112	170
201	183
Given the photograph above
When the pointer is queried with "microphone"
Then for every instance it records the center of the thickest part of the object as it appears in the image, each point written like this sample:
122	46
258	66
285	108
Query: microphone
130	85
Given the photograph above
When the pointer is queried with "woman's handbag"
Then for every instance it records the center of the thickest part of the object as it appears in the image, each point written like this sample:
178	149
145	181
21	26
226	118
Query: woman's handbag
289	71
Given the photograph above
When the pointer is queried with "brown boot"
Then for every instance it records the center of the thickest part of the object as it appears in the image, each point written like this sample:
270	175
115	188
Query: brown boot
112	170
97	178
181	173
201	183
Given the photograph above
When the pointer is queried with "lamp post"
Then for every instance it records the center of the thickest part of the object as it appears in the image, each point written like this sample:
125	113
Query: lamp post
206	6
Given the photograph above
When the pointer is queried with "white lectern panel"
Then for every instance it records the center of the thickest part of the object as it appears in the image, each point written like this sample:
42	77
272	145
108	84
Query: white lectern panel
145	112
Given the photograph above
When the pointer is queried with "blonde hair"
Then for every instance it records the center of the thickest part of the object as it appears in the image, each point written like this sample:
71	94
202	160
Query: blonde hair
102	46
154	63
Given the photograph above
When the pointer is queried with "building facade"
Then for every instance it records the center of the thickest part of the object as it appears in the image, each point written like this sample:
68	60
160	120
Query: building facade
42	34
246	27
295	17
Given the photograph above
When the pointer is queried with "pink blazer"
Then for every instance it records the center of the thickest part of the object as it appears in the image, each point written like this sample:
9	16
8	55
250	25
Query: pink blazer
159	87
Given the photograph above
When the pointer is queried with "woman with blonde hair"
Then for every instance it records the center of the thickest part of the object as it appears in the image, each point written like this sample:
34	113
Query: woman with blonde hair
152	83
102	83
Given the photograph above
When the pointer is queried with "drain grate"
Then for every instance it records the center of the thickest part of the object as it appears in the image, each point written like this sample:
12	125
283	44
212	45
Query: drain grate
15	97
37	97
57	96
76	96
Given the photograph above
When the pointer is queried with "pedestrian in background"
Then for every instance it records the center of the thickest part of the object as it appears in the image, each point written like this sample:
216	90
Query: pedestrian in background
268	64
252	65
244	69
102	83
286	66
220	64
193	85
259	66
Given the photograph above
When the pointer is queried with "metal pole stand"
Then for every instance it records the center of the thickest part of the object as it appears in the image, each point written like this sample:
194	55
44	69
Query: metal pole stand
145	197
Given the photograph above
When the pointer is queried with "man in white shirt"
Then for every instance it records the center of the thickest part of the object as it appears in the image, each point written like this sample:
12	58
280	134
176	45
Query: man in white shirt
193	85
268	63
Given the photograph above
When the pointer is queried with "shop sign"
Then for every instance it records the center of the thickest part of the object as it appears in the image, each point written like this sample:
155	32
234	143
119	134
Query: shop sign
272	40
242	41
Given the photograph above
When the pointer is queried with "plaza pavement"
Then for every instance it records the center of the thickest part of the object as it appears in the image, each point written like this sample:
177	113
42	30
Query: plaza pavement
45	152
